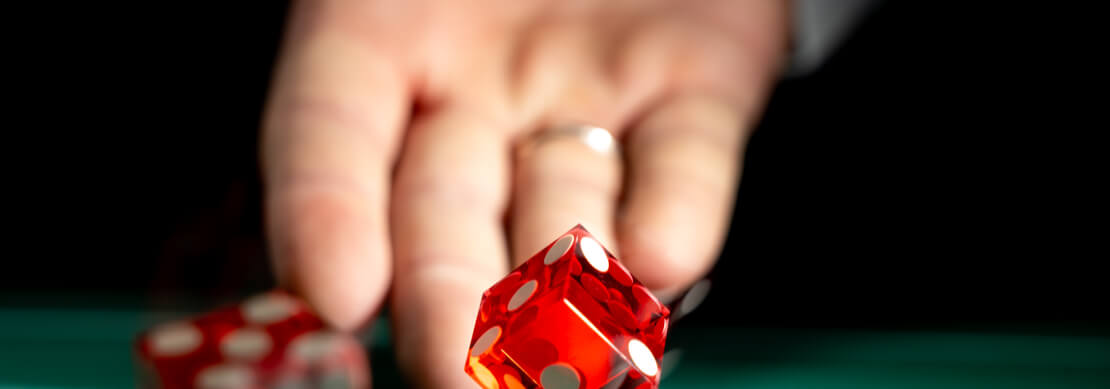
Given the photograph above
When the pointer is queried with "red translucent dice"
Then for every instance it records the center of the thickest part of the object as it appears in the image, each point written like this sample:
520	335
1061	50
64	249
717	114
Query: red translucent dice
270	340
570	317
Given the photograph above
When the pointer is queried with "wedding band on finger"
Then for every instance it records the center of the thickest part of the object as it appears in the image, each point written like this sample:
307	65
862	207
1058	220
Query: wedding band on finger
595	138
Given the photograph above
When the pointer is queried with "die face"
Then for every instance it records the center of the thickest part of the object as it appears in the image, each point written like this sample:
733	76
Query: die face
550	338
511	306
269	340
573	314
615	301
562	338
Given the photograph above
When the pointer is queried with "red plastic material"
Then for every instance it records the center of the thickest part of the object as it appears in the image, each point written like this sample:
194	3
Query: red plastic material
570	317
269	340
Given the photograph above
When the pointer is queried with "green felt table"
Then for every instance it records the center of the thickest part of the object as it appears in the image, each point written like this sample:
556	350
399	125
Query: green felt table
90	348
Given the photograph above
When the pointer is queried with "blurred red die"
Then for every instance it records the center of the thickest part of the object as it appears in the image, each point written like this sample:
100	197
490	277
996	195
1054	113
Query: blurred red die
270	340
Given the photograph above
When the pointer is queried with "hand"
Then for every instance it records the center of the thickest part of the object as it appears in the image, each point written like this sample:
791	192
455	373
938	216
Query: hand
389	134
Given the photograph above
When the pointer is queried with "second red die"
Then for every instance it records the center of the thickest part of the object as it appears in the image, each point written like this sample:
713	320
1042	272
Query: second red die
268	341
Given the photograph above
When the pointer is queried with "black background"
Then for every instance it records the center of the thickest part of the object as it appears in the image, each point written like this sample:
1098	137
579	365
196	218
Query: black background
929	175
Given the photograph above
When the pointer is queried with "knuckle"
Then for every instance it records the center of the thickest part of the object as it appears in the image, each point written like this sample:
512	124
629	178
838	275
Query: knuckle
323	221
445	190
697	123
304	112
462	270
325	203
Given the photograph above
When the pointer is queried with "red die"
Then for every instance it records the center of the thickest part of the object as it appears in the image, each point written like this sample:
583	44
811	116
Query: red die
270	340
569	317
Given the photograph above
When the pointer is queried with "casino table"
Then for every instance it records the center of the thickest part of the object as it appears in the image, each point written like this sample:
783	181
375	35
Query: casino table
64	347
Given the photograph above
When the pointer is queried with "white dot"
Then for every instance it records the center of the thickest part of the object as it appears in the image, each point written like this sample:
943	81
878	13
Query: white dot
314	346
559	376
694	297
485	341
225	377
595	255
268	308
558	249
246	344
642	358
522	295
174	339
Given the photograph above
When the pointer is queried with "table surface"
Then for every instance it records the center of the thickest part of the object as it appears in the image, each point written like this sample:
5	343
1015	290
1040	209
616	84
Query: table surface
90	348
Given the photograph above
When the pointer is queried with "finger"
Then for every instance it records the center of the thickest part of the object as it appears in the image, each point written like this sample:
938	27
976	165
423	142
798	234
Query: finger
562	74
448	202
559	182
684	162
330	132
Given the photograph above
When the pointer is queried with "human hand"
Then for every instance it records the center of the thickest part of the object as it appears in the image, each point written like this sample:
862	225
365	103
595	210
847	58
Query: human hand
389	135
